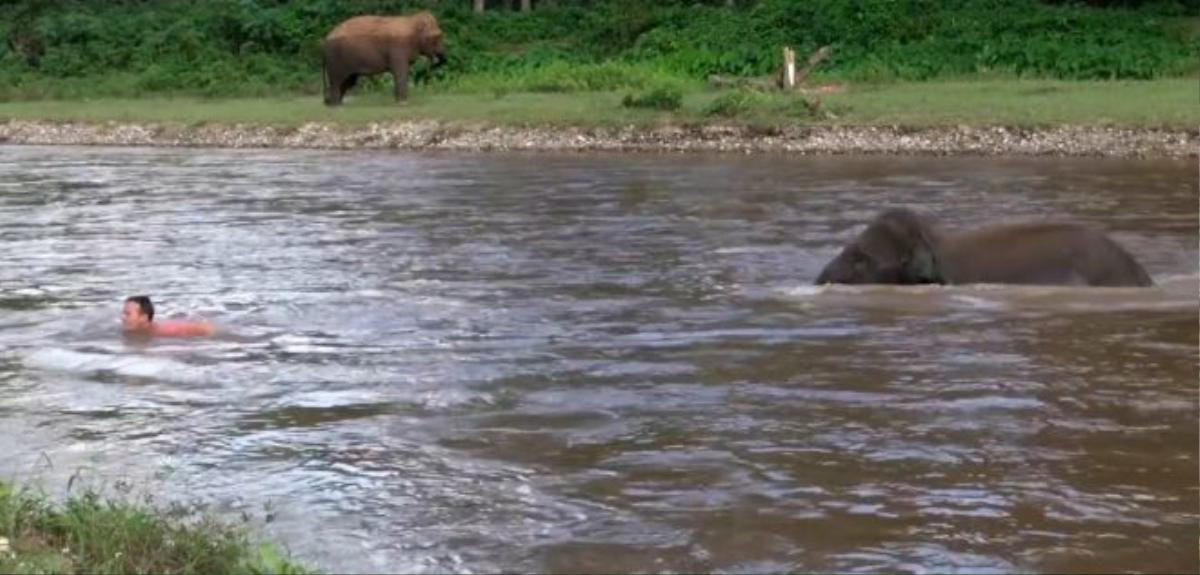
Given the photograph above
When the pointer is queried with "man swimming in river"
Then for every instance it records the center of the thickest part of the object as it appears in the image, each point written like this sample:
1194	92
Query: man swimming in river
137	318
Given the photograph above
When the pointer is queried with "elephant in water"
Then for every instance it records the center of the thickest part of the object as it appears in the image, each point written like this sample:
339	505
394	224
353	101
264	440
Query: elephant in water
374	44
902	247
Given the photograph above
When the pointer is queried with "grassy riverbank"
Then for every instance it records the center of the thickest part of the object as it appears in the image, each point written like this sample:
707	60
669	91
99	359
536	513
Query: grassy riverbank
576	63
1166	103
90	534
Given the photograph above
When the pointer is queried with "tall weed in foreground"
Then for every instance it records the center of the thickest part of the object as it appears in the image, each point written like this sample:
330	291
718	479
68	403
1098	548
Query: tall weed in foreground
89	533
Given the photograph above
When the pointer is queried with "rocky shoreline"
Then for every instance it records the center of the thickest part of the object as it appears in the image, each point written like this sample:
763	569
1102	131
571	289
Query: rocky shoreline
1097	141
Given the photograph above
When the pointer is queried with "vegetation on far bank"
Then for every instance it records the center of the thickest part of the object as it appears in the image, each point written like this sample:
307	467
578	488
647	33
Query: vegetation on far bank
1148	104
91	534
615	62
71	49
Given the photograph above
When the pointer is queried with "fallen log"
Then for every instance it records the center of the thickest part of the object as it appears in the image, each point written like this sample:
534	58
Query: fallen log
819	56
788	78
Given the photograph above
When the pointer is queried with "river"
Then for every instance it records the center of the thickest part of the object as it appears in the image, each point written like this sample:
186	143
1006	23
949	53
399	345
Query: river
570	363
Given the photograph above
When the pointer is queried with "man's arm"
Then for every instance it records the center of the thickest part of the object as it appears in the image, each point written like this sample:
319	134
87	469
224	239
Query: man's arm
180	328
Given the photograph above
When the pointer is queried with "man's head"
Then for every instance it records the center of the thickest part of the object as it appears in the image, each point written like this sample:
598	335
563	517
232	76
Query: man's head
138	313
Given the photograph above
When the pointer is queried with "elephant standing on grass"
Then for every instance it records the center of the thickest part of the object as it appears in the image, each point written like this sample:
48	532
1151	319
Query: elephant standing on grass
375	44
901	247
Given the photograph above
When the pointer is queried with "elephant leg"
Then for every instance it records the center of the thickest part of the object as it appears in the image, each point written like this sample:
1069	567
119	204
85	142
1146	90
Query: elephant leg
326	88
337	87
329	86
336	69
400	79
347	84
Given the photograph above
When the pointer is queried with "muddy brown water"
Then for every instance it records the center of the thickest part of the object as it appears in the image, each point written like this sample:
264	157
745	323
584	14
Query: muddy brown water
457	362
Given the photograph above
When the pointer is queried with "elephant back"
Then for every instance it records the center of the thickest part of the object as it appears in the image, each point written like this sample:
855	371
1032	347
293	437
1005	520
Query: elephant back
385	26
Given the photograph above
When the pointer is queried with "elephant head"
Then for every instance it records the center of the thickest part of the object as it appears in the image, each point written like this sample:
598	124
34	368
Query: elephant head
897	247
429	38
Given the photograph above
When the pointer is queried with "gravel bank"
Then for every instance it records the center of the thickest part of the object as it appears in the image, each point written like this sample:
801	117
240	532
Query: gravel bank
1064	141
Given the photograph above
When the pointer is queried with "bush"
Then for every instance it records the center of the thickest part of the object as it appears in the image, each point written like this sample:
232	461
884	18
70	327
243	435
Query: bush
562	77
661	98
89	533
731	104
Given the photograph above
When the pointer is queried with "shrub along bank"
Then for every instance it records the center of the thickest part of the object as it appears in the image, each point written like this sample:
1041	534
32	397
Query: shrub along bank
88	533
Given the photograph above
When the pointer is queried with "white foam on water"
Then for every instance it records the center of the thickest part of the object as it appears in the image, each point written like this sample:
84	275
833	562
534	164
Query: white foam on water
31	292
333	398
735	250
1183	285
302	344
1178	293
447	398
807	290
1169	293
976	302
69	361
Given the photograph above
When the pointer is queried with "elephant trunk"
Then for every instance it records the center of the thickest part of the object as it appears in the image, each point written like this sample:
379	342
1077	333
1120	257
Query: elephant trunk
829	274
326	86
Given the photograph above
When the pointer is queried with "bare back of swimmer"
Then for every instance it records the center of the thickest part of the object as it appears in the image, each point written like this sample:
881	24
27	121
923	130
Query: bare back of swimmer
137	318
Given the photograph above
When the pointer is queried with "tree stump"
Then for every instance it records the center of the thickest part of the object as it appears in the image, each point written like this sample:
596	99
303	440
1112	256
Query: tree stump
789	68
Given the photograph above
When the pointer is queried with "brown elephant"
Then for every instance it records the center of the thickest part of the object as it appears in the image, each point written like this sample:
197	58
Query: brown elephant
901	247
375	44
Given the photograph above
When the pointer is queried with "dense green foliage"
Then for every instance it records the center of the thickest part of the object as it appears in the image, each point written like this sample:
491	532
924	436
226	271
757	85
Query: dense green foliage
251	47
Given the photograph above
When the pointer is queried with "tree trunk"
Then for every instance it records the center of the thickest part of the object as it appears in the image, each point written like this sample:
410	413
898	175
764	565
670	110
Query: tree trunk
729	3
479	6
526	5
789	68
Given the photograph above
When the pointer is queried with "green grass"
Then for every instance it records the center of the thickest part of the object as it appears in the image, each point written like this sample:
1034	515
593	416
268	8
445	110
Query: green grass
1155	103
1165	103
90	534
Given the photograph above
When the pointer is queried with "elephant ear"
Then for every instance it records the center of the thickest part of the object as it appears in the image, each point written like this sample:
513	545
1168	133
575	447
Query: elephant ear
920	262
425	24
923	264
923	267
426	30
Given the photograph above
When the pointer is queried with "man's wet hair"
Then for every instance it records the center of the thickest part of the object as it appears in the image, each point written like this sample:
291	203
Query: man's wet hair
143	303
